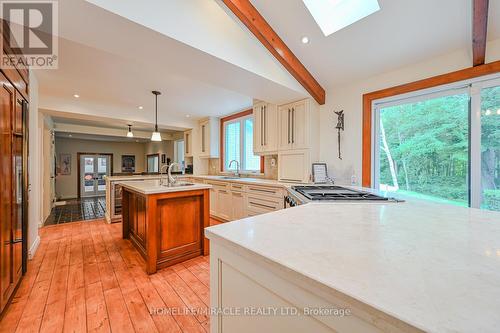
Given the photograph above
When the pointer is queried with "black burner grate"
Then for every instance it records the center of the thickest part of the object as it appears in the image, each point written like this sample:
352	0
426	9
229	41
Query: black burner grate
336	193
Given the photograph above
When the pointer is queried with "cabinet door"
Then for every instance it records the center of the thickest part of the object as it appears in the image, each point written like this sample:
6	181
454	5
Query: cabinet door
300	125
238	204
284	119
188	144
294	166
224	209
213	202
6	192
204	139
270	122
257	129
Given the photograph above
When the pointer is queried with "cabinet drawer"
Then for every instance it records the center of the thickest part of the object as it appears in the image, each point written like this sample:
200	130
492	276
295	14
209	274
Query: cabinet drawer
238	187
218	185
265	190
263	204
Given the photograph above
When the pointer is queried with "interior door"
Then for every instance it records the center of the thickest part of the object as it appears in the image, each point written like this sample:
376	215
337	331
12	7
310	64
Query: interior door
93	168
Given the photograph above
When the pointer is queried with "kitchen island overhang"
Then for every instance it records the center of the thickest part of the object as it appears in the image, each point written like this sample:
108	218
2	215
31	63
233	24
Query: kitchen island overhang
166	224
416	266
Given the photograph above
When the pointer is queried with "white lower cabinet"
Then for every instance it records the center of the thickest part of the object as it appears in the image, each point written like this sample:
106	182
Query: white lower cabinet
234	201
238	203
213	201
224	209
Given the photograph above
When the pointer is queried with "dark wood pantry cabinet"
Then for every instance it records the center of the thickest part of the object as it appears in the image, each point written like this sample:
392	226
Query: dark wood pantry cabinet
13	179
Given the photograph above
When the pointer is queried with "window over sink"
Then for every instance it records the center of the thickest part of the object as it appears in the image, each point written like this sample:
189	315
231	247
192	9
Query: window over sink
237	144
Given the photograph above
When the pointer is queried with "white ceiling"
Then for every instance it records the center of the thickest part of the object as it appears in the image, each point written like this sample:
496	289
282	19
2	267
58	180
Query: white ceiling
114	63
206	63
403	32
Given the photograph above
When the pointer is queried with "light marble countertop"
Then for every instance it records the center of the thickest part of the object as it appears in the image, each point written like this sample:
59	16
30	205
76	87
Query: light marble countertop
434	266
133	177
154	187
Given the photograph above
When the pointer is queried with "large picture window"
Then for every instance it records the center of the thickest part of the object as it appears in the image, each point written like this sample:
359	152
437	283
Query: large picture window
237	140
441	144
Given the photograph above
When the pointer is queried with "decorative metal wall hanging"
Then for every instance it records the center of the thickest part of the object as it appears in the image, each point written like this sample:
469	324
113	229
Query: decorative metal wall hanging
339	127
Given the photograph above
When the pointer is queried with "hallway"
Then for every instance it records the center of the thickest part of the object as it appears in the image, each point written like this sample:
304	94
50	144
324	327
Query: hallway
85	277
83	209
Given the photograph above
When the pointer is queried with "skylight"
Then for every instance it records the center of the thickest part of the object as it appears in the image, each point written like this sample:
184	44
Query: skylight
333	15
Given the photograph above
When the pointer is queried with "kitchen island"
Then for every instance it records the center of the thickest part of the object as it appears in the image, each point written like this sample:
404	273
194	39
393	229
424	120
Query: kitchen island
165	223
358	267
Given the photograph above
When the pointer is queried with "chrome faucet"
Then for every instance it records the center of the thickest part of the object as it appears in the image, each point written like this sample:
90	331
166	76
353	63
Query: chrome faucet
172	180
162	182
237	173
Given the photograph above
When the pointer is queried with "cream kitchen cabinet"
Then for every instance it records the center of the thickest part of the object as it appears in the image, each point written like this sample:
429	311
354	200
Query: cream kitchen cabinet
296	123
238	205
265	130
188	143
295	165
224	204
231	201
209	133
298	144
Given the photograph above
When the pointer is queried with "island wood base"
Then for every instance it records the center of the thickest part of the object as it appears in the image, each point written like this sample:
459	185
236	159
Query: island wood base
166	228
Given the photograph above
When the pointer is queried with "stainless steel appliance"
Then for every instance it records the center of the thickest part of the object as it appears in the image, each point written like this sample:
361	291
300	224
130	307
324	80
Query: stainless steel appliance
301	194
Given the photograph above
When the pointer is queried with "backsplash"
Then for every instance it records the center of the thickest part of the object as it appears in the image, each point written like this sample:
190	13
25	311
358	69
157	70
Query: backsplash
270	172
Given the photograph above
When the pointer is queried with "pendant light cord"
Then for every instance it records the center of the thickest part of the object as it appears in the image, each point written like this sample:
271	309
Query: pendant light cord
156	113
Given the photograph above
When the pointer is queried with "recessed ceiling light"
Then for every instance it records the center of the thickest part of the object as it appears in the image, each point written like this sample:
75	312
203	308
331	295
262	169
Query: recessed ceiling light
140	107
488	112
305	40
76	96
498	111
187	116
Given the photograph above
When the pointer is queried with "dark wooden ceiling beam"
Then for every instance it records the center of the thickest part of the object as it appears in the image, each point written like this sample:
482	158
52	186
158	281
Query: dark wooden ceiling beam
252	19
479	31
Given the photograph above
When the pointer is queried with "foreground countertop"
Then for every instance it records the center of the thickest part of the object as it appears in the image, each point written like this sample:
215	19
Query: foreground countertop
154	187
434	266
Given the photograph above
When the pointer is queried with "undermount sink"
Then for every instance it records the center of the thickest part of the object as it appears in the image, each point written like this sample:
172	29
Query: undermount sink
178	184
229	177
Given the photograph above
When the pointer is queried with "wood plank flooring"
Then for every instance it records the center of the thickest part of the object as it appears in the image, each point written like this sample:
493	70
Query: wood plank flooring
86	278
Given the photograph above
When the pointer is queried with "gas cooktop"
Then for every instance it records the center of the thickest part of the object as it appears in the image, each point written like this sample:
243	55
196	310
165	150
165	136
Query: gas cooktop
336	193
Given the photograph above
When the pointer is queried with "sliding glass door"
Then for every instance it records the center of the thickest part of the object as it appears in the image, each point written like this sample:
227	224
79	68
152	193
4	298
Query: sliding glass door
442	144
490	148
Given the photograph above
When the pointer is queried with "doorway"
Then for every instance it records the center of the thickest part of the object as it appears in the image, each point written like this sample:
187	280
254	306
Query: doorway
91	173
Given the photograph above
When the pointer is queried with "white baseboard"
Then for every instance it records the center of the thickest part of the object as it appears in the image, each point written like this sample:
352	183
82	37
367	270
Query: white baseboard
34	247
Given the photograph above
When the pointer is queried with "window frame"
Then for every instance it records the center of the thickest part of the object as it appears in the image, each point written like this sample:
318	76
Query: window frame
481	71
473	88
237	117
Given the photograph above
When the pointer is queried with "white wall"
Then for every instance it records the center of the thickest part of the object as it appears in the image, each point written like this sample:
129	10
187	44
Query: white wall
349	99
66	185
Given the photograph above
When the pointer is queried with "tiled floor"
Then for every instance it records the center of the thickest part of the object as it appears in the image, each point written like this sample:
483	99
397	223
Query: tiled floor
78	210
85	277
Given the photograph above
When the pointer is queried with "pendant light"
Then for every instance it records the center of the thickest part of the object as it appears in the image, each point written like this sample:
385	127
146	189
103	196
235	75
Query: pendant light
156	136
130	134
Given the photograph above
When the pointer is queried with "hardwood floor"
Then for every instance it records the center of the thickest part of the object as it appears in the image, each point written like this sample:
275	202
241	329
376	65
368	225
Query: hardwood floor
85	277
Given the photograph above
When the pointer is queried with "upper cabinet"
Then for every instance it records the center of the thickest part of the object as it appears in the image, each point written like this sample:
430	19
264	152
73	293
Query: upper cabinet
298	140
188	143
295	121
210	137
265	133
